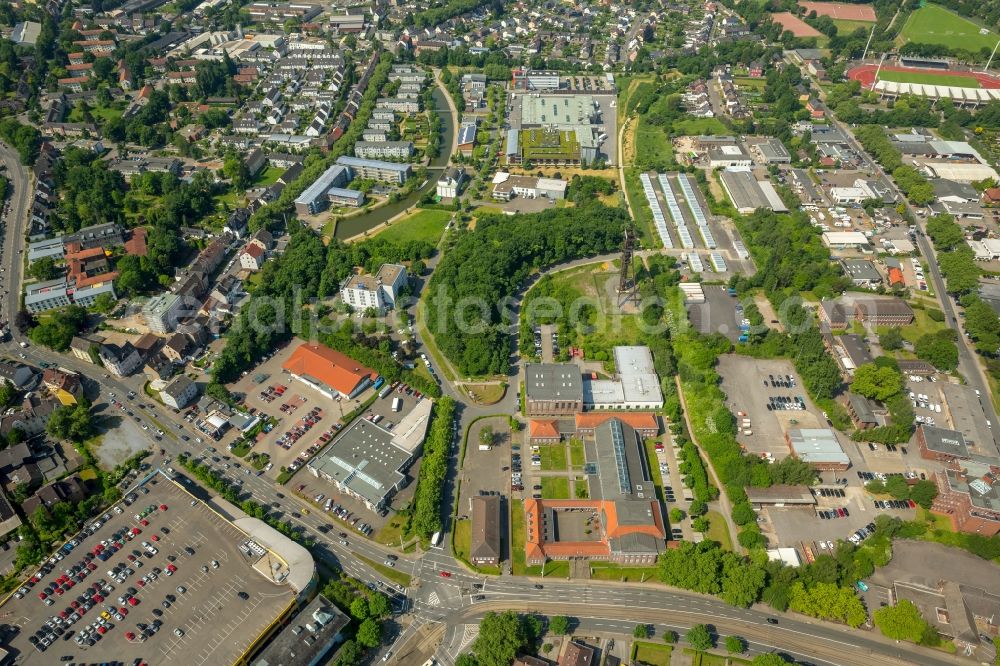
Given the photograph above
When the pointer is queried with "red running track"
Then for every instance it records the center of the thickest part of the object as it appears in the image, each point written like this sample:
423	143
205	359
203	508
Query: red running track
866	74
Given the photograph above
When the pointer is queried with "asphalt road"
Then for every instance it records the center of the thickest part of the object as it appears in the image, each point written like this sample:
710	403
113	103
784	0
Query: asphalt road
445	602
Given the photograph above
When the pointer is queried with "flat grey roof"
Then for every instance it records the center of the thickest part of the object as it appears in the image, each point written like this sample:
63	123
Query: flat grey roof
553	381
622	471
307	636
743	187
640	382
817	445
946	441
348	160
364	459
321	185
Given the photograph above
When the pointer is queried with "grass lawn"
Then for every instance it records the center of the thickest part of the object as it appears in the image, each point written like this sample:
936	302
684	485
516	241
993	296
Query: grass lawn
929	79
268	176
717	530
700	126
577	454
612	571
708	659
486	394
389	572
580	488
553	457
654	654
652	145
518	535
640	209
391	533
847	27
932	24
922	324
555	487
750	82
424	225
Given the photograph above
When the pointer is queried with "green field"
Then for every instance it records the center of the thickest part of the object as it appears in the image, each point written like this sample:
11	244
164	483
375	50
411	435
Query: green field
553	457
651	653
641	213
846	27
424	225
652	145
555	487
717	530
932	24
693	126
929	79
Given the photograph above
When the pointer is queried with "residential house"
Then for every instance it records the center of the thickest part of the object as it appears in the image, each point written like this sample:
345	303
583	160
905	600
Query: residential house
120	360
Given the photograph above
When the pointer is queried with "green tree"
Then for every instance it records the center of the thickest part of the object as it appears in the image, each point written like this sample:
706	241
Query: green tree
676	515
359	608
938	349
369	633
7	394
901	622
378	605
104	303
896	486
700	524
640	631
486	436
559	625
891	340
877	383
501	637
923	493
669	636
743	514
735	644
44	269
770	659
700	638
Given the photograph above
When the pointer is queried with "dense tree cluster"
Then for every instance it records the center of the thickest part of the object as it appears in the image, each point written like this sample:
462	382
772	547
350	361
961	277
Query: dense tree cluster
910	181
342	258
72	422
57	330
271	316
90	193
487	266
426	517
25	139
938	349
903	622
502	637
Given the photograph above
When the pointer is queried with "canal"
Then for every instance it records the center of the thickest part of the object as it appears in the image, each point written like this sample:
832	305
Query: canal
362	223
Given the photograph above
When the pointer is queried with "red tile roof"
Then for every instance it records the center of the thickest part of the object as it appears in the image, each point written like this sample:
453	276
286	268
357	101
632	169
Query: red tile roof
543	428
329	367
637	420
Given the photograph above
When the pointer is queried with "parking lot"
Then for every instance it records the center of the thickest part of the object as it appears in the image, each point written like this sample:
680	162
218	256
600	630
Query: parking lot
161	579
720	313
387	412
291	403
749	385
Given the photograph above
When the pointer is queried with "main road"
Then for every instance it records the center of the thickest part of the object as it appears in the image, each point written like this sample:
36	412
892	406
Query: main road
443	605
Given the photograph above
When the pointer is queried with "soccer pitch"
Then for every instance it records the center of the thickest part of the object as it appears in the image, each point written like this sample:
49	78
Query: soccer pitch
935	25
929	79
